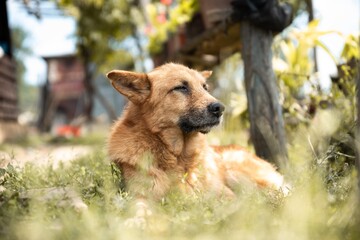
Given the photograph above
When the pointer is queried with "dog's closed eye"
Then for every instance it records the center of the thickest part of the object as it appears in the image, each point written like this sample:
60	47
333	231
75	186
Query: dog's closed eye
184	87
181	88
205	86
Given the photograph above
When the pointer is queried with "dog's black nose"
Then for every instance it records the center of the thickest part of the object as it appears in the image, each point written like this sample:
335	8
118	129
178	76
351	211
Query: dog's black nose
216	109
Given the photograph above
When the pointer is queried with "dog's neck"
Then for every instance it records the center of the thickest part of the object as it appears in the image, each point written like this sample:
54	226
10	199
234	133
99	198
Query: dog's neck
186	148
178	143
173	139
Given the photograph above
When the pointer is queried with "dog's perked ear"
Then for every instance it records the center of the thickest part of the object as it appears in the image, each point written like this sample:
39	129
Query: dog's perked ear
135	86
206	74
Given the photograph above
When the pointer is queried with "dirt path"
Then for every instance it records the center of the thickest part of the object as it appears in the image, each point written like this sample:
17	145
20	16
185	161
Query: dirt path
43	155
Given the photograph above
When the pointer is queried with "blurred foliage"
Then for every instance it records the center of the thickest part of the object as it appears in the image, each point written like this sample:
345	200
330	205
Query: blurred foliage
301	91
20	48
28	95
351	48
165	19
292	52
102	28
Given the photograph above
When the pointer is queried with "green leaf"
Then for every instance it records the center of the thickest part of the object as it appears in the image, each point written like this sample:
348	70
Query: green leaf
326	49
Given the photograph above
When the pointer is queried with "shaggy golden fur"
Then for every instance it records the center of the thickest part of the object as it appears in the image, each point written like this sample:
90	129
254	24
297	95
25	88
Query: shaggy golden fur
159	142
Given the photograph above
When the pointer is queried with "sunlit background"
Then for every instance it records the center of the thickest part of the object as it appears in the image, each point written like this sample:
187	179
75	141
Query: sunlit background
54	33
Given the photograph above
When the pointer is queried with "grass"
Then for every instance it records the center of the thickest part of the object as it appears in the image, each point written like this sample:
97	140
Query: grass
322	205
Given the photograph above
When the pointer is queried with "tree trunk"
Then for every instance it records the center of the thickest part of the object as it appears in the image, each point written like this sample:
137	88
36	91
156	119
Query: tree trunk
310	10
266	122
88	84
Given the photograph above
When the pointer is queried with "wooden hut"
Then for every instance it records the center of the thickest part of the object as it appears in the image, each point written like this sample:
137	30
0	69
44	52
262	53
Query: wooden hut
8	84
63	91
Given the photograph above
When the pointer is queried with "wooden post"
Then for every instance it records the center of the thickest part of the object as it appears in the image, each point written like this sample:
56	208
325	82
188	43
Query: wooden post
5	39
266	121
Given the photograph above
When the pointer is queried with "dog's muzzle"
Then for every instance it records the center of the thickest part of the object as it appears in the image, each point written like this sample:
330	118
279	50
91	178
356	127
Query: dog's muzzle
202	120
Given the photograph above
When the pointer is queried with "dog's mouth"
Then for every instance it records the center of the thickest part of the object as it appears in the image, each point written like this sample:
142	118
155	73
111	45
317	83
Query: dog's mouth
205	129
198	121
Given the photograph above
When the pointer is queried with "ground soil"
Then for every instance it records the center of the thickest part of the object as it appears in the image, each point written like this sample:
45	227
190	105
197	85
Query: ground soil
42	155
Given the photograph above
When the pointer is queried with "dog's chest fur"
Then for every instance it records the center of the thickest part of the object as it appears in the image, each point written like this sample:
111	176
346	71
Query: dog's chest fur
159	155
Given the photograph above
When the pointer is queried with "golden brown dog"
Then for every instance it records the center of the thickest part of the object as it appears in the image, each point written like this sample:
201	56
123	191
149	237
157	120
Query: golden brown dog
159	142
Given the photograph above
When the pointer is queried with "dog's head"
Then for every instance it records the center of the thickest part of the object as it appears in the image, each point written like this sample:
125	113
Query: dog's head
171	96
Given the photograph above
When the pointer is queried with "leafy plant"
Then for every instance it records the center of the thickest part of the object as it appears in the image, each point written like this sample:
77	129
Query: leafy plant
351	48
102	26
292	61
165	20
328	116
301	91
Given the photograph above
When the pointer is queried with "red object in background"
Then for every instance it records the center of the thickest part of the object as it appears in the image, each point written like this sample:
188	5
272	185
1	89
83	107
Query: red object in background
161	18
68	131
166	2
